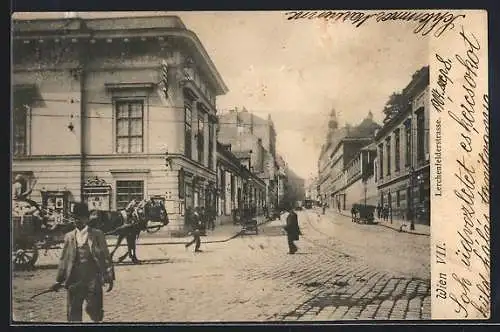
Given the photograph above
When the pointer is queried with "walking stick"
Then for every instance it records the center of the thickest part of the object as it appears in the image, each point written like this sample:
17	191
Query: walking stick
50	290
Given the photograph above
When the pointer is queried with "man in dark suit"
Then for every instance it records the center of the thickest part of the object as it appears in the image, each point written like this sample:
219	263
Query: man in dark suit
85	265
292	229
196	229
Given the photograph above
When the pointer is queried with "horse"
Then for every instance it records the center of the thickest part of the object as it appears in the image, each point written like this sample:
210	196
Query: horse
114	223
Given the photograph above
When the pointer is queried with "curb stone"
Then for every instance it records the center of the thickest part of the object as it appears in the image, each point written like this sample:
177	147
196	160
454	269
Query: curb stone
389	227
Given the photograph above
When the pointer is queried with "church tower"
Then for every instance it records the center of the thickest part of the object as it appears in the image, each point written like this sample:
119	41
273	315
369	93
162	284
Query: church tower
333	123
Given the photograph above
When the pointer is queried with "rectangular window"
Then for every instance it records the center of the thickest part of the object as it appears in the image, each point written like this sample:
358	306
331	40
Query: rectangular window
187	130
397	152
408	143
127	191
420	135
20	118
388	151
211	145
398	199
201	137
129	126
381	158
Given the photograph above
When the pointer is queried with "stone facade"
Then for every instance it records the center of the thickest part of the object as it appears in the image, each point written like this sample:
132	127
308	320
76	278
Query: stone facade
238	188
402	166
248	133
129	101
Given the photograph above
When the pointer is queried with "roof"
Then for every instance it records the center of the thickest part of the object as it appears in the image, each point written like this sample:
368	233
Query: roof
121	27
234	159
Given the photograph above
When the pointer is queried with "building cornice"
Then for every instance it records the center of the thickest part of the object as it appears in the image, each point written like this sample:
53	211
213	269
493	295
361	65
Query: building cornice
88	34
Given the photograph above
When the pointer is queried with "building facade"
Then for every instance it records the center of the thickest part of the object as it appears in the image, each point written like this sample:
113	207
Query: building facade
248	133
106	110
340	156
402	166
357	182
238	188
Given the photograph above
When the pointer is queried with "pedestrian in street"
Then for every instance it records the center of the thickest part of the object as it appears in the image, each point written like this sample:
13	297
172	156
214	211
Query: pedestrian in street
211	217
324	208
385	212
354	212
292	230
196	226
378	210
84	267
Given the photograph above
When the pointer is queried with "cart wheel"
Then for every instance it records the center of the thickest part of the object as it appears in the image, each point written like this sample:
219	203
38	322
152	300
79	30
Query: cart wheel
25	258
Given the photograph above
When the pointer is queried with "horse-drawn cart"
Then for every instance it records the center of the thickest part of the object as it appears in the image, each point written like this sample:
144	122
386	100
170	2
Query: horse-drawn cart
30	234
363	213
250	225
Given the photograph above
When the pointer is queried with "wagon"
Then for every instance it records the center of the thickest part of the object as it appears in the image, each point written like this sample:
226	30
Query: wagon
30	234
250	226
363	213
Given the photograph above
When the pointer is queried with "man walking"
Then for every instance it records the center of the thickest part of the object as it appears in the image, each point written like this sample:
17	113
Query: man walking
292	230
85	265
196	225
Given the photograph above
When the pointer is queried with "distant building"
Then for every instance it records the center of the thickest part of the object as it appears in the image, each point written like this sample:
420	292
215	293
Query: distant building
295	187
247	132
282	178
342	147
107	110
312	191
356	184
402	167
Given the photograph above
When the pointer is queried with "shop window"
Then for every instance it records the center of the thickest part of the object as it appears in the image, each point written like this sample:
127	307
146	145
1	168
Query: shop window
127	191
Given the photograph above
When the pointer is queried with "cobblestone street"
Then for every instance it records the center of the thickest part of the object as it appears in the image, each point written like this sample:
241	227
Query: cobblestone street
342	271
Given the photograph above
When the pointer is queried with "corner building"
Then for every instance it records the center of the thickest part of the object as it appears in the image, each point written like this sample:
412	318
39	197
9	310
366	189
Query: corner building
107	110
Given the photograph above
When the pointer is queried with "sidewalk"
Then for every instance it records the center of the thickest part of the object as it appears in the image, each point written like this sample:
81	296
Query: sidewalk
221	233
397	224
404	226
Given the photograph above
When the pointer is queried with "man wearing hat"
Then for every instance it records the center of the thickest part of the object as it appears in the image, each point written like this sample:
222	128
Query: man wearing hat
292	229
85	265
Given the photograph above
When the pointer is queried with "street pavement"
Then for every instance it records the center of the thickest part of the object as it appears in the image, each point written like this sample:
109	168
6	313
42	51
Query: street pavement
342	271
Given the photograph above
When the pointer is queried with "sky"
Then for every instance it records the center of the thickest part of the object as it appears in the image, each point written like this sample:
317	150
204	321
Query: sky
297	71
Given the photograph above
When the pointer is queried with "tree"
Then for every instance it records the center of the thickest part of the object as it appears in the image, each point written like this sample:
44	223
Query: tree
397	103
